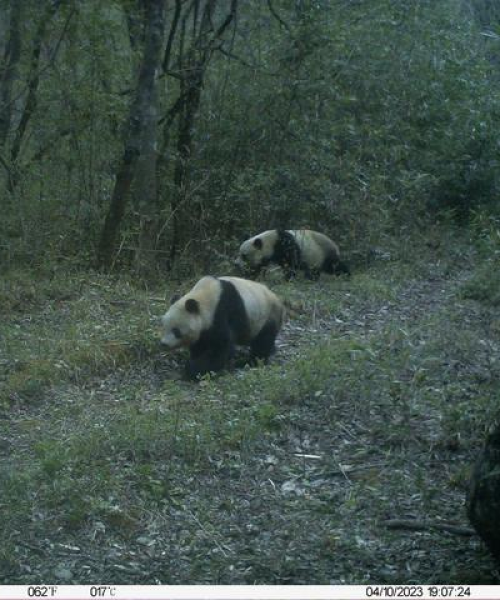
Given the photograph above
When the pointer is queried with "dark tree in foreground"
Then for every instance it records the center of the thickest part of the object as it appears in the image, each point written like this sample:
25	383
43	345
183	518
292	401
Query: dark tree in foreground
484	495
143	106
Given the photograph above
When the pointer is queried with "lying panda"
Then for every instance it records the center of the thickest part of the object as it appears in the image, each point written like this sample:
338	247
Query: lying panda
217	314
303	249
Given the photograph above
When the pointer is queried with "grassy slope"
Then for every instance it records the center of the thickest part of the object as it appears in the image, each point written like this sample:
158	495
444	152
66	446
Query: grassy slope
379	396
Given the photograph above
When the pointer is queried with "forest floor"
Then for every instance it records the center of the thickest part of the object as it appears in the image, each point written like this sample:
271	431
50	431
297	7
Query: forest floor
113	469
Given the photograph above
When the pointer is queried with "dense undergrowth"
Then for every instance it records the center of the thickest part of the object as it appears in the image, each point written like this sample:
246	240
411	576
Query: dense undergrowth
374	406
346	119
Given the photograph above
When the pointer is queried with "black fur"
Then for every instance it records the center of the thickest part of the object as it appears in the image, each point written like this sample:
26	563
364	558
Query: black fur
341	268
288	256
334	266
286	253
263	345
215	347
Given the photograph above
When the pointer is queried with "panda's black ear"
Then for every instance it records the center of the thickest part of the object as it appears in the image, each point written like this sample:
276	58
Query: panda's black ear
192	306
174	298
258	243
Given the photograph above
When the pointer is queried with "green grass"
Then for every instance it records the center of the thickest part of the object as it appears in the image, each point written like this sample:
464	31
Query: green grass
398	373
485	285
69	328
76	467
134	447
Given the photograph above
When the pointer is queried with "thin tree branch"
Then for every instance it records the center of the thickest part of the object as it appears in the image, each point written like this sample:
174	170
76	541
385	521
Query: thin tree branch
242	61
51	59
41	152
9	170
414	525
225	24
172	111
171	35
277	17
34	77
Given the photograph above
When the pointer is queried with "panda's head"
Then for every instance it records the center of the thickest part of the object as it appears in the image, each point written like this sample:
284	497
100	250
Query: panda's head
257	251
189	316
182	323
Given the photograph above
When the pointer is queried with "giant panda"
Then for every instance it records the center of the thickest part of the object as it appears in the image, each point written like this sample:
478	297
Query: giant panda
304	249
217	314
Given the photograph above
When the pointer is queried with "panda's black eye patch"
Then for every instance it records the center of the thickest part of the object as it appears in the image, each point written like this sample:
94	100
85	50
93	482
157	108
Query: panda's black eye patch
258	243
177	332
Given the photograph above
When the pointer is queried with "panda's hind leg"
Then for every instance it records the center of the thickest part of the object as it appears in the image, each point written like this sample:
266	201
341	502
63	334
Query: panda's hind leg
334	266
312	274
263	345
328	265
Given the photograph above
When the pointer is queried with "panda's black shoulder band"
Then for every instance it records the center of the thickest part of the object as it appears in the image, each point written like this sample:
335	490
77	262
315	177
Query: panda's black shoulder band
231	309
286	251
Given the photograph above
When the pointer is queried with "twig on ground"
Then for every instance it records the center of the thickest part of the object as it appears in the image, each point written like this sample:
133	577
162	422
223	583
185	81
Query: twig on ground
414	525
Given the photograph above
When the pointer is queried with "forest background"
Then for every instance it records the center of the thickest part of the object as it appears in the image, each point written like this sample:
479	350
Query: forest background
141	141
158	135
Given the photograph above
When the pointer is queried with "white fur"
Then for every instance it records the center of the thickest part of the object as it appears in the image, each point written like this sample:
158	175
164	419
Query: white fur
207	293
261	306
252	256
314	246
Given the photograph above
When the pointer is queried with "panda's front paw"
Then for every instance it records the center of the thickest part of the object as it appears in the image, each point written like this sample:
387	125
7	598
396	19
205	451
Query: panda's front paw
192	371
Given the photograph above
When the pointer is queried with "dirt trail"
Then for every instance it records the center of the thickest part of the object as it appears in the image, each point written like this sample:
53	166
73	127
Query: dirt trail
308	500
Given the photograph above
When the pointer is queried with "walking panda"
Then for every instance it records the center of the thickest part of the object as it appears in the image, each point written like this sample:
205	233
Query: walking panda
311	251
216	315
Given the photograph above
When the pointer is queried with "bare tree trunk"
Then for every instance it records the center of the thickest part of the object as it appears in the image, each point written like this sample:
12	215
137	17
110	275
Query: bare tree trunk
135	24
191	103
33	78
141	112
27	108
8	73
149	173
145	189
192	66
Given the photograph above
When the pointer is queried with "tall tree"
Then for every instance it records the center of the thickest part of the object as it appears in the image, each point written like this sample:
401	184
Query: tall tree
199	37
141	120
34	76
8	73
